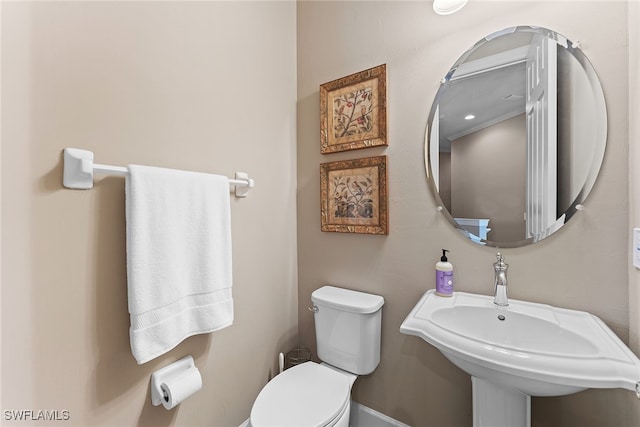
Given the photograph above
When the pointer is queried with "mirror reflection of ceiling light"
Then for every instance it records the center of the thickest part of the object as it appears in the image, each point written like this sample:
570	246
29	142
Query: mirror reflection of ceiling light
469	117
447	7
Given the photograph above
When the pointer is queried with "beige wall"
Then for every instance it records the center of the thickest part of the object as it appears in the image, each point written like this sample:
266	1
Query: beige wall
634	172
199	86
585	266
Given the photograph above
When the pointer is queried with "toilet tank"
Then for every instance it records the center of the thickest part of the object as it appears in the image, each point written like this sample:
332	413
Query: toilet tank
348	328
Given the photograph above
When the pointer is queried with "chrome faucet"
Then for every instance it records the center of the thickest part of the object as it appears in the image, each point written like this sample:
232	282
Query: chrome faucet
500	269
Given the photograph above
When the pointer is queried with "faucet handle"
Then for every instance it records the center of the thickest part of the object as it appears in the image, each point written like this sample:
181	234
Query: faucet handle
500	264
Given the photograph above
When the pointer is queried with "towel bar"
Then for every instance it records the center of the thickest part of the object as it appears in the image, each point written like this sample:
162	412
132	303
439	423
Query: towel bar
79	169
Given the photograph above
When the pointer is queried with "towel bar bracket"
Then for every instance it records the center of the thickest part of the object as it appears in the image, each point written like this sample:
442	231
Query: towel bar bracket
242	190
79	169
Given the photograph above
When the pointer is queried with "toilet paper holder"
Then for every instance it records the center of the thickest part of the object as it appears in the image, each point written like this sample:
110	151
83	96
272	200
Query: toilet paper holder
160	376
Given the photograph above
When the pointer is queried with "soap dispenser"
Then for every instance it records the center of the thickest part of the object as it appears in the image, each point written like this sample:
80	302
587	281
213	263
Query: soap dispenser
444	276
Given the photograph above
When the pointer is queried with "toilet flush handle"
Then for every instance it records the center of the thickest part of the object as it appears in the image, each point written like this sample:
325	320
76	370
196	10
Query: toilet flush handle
313	309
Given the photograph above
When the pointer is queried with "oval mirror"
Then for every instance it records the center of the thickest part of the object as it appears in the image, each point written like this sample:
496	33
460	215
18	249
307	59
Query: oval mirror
516	137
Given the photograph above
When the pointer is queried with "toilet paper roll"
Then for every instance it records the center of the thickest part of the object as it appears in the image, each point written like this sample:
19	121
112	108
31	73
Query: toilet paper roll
179	386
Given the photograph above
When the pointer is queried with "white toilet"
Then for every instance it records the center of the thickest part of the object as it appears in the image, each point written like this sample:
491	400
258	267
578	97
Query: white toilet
348	327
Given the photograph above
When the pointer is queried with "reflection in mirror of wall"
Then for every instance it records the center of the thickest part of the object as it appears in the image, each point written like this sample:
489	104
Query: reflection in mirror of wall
516	136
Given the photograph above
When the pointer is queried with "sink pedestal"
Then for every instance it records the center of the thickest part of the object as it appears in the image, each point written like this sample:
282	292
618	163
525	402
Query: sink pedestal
495	406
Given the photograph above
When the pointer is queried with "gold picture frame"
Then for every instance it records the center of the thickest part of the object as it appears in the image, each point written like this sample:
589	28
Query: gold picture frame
353	111
353	196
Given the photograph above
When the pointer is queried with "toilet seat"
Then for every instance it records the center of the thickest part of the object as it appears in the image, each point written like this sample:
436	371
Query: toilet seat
307	395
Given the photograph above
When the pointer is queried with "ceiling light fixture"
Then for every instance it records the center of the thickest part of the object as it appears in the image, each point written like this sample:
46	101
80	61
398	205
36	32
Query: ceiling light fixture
469	117
447	7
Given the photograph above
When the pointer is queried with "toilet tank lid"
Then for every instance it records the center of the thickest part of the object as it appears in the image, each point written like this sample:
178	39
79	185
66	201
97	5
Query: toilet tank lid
347	300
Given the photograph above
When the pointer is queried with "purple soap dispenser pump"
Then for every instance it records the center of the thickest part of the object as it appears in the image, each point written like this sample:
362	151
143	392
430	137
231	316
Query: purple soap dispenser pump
444	276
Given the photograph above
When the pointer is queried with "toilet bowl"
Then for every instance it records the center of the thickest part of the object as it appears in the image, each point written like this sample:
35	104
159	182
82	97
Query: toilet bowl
348	329
310	394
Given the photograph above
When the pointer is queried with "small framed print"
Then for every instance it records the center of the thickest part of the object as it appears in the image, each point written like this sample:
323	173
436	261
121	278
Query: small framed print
353	111
354	196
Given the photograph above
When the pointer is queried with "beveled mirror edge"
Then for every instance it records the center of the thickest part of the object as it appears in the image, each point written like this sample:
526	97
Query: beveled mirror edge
602	130
597	159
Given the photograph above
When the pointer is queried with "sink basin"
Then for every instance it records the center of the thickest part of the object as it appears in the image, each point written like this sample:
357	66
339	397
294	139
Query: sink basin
516	331
524	349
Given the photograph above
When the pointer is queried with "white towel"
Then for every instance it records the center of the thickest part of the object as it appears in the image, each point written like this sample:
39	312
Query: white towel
178	257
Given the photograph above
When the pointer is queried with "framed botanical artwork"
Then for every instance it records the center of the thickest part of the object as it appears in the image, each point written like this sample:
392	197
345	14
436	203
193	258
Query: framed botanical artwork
353	111
354	196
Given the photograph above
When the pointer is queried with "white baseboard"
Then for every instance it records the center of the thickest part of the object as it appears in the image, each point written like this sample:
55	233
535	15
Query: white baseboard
362	416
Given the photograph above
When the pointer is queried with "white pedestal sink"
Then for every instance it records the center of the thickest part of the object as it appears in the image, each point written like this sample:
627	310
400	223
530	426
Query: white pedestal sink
522	350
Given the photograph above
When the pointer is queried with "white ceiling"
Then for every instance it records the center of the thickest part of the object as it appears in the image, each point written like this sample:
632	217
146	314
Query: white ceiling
491	96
